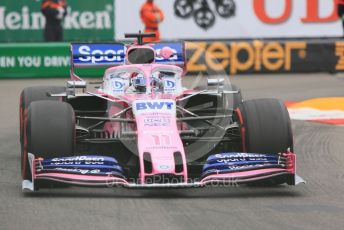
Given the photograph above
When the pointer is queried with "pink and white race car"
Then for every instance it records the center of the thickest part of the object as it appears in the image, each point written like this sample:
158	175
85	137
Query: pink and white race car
142	128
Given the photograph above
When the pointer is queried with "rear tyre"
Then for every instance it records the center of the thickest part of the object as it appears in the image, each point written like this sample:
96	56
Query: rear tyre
265	128
49	131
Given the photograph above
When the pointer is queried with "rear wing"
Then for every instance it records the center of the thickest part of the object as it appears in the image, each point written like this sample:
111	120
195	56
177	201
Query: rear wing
97	55
85	55
178	57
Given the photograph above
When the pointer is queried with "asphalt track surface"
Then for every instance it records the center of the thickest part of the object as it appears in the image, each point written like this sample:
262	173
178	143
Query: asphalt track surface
317	205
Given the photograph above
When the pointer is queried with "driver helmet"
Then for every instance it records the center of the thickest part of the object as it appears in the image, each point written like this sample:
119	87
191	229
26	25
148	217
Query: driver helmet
156	83
138	81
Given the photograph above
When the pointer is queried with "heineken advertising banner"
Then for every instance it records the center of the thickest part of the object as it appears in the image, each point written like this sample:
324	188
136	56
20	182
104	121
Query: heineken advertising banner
85	21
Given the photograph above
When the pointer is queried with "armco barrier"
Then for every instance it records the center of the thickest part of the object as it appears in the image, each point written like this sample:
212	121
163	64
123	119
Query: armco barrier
206	57
43	60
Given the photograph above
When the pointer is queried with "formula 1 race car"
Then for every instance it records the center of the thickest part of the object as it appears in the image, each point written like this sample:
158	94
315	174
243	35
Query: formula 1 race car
141	128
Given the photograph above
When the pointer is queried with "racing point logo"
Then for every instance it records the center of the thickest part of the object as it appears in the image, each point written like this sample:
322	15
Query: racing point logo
203	15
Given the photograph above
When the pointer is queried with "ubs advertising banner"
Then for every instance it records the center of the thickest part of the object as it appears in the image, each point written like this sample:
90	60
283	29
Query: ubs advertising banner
22	21
223	19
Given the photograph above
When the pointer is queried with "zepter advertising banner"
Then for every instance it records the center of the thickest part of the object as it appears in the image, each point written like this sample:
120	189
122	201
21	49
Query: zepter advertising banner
223	19
265	56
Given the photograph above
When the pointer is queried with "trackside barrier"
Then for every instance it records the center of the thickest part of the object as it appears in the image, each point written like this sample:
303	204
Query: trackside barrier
266	56
38	60
44	60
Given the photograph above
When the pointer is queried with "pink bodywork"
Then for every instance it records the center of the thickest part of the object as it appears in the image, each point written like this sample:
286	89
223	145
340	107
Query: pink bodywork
157	131
158	135
160	140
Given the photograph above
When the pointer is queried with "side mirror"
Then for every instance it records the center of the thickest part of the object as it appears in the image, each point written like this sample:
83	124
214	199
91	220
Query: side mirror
76	84
216	81
216	84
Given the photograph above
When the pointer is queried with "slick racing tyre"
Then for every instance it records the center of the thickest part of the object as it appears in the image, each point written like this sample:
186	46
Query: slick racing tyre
49	131
35	93
265	126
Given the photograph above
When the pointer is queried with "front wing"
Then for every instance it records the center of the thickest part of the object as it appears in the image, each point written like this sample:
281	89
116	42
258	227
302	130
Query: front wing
219	169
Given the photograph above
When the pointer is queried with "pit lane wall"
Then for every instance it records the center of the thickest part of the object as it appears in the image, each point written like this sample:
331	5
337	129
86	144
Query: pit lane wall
231	57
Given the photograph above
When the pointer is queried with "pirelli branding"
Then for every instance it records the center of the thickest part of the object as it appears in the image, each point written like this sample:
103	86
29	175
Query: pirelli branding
340	55
244	56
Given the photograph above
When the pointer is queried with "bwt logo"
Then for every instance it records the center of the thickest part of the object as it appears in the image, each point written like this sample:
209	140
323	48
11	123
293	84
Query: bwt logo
95	56
169	84
154	105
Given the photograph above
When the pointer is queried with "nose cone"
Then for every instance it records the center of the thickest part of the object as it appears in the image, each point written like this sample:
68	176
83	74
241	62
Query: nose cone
158	137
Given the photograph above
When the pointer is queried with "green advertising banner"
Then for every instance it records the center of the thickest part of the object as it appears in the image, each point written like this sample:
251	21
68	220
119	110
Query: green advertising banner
85	21
46	60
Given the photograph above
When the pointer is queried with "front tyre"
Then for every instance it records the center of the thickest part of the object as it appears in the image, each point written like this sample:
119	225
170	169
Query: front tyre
265	126
49	131
35	93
